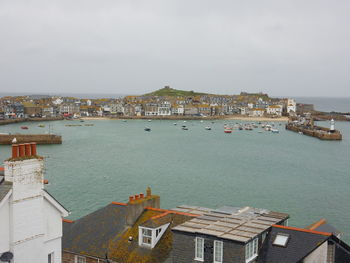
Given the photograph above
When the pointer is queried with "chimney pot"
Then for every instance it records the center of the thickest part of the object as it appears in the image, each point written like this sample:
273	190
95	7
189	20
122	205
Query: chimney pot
136	197
33	148
149	191
142	195
14	150
131	198
21	150
27	149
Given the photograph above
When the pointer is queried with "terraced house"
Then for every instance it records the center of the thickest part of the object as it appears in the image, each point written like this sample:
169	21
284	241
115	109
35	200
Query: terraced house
139	231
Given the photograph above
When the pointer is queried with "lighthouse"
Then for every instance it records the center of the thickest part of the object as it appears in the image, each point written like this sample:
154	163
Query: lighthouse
332	129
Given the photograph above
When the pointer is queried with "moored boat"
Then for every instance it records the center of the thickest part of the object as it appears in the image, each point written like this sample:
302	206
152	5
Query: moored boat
208	128
147	129
227	130
24	127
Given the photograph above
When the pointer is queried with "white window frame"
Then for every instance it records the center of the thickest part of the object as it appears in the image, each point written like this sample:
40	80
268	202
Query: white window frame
221	255
77	258
147	236
199	241
251	250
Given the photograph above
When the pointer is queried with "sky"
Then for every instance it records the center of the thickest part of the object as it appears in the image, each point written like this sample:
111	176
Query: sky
280	47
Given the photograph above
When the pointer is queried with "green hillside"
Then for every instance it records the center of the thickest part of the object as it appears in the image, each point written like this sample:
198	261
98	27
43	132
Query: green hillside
167	91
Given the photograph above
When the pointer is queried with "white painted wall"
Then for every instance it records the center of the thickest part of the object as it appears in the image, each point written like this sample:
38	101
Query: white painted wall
319	255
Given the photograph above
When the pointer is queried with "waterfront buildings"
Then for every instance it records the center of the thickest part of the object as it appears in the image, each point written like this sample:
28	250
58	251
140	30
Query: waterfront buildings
31	219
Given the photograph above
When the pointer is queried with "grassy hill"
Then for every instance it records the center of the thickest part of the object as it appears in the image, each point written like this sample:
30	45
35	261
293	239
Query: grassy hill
167	91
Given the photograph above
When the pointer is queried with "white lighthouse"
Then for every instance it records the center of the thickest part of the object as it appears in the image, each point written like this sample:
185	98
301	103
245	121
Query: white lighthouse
332	129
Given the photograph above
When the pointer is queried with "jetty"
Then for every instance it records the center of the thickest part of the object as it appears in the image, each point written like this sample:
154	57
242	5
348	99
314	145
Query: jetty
28	138
308	128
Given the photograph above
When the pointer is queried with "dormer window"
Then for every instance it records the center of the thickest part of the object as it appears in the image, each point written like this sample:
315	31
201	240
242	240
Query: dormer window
149	237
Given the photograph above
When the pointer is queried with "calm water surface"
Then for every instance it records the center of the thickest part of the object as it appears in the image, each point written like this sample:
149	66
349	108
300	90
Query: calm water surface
111	160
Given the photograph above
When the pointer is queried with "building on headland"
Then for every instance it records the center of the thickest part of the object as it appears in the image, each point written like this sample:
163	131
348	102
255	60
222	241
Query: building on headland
31	218
291	106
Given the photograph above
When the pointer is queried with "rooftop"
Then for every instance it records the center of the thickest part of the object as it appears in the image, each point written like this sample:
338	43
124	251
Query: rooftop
233	223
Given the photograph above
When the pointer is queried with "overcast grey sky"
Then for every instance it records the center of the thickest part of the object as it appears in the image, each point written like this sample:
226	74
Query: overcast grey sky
282	47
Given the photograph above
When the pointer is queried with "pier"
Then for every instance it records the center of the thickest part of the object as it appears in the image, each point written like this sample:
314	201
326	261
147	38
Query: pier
28	138
319	132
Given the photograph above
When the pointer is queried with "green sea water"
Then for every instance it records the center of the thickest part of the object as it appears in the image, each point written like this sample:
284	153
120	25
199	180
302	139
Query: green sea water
285	172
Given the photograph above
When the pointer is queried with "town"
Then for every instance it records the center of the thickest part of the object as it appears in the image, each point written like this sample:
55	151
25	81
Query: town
166	102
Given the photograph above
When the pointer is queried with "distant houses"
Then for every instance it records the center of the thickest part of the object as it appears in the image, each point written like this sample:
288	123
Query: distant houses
151	105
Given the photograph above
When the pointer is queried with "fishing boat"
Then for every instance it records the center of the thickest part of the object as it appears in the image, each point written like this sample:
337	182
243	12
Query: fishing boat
208	128
268	127
24	127
147	129
228	130
149	120
275	131
185	128
41	125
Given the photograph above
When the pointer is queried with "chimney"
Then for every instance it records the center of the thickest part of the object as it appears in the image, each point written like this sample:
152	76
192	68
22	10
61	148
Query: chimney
25	170
138	203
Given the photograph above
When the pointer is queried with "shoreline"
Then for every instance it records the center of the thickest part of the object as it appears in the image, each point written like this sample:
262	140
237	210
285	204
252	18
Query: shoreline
241	118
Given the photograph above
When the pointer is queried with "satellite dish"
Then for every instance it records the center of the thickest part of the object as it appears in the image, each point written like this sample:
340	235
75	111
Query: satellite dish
6	257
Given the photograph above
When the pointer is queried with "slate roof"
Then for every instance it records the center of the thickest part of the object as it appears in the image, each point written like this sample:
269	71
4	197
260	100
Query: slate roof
91	234
5	187
300	244
233	223
122	250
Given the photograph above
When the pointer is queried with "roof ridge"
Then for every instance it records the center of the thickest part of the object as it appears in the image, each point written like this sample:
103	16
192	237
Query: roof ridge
303	230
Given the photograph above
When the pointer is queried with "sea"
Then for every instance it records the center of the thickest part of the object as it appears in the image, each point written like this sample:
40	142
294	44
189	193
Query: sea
111	160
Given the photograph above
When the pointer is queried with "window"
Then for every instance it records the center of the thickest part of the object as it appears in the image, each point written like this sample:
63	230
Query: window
281	240
199	255
50	258
79	259
146	236
158	231
218	251
251	250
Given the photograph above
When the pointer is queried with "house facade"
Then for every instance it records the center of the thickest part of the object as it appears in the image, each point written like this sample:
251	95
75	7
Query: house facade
31	219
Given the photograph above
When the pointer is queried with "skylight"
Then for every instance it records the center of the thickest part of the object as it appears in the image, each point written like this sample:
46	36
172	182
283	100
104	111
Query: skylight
281	240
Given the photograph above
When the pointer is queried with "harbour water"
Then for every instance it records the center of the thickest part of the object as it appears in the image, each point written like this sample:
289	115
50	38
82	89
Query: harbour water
287	172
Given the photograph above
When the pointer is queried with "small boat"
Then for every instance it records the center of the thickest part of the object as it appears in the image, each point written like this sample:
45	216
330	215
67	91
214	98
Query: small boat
201	120
24	127
175	123
147	129
227	130
301	132
41	125
149	120
268	127
275	131
185	128
185	121
81	120
124	120
208	128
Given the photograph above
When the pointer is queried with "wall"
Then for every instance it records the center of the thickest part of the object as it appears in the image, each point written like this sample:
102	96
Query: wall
184	249
70	258
319	255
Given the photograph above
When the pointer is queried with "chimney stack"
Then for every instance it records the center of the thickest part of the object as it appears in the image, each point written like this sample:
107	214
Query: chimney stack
23	150
138	203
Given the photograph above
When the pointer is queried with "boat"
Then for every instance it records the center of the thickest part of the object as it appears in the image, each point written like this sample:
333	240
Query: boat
268	127
88	124
124	120
275	131
147	129
149	120
185	128
41	125
81	120
201	120
227	130
208	128
185	121
24	127
175	123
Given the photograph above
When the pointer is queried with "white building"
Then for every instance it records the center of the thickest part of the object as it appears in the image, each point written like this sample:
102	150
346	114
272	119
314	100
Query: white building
31	219
257	112
291	106
164	109
274	110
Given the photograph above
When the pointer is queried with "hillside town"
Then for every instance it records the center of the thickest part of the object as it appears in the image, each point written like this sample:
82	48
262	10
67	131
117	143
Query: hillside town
150	105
